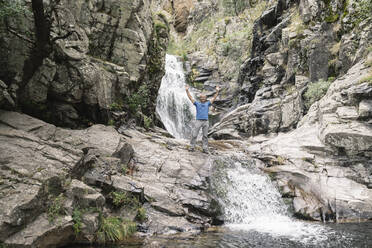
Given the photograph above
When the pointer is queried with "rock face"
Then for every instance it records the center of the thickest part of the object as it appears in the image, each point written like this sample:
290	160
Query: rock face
50	174
292	46
324	165
96	56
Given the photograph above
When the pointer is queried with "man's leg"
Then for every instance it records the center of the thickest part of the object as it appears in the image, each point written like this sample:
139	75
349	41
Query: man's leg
205	135
194	133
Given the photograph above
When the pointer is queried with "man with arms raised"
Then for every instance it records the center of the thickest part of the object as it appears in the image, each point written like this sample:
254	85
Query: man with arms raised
202	109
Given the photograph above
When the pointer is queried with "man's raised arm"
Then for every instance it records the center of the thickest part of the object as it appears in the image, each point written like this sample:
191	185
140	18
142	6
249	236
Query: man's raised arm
188	94
215	95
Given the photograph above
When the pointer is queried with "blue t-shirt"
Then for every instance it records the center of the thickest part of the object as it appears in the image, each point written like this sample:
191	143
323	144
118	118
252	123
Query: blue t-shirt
202	110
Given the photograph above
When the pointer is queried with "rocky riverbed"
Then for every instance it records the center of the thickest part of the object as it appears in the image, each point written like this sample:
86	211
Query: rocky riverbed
83	158
43	165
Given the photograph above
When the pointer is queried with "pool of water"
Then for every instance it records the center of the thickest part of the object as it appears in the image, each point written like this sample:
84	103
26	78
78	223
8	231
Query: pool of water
257	217
348	235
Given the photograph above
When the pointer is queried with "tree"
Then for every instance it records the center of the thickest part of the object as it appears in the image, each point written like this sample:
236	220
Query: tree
42	45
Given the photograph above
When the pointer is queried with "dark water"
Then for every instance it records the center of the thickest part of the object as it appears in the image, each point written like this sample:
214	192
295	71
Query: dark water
349	235
345	235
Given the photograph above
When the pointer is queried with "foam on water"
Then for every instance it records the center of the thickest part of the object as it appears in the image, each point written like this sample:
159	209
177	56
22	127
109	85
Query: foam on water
252	202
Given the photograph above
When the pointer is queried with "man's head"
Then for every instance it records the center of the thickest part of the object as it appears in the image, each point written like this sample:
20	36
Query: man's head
203	98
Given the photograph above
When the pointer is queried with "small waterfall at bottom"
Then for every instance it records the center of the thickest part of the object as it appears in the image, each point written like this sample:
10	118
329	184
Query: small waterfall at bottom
250	201
173	106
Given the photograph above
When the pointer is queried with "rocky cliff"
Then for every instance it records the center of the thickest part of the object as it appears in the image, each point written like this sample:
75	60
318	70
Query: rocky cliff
274	68
74	62
298	51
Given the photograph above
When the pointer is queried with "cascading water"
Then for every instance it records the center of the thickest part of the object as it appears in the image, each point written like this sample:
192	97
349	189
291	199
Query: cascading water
252	206
250	201
174	108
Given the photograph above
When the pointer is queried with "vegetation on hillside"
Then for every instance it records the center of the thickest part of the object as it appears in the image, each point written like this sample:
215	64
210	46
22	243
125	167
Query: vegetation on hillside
315	92
224	37
11	8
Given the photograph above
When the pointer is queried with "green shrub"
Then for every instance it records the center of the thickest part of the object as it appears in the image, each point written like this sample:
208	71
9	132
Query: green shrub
159	26
365	9
147	122
139	100
331	79
120	199
77	218
141	214
116	106
12	8
111	122
315	91
367	79
332	17
114	229
56	208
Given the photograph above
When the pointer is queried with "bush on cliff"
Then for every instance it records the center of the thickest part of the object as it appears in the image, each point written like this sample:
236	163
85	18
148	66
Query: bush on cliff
315	91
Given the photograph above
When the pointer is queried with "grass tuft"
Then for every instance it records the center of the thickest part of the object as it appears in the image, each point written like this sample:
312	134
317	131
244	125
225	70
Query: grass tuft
113	229
56	208
141	214
120	199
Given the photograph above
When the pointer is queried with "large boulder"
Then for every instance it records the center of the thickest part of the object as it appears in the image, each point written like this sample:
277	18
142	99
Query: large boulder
274	109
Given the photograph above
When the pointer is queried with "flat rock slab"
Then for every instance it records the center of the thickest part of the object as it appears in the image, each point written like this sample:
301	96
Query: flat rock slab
36	158
44	233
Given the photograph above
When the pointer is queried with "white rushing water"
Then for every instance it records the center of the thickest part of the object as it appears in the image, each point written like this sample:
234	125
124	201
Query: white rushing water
249	199
251	202
174	108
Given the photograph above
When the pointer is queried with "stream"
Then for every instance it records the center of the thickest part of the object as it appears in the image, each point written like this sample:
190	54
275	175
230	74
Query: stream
252	208
254	212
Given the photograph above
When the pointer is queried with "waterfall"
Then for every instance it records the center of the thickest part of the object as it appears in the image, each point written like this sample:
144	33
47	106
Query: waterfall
251	196
173	106
250	201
